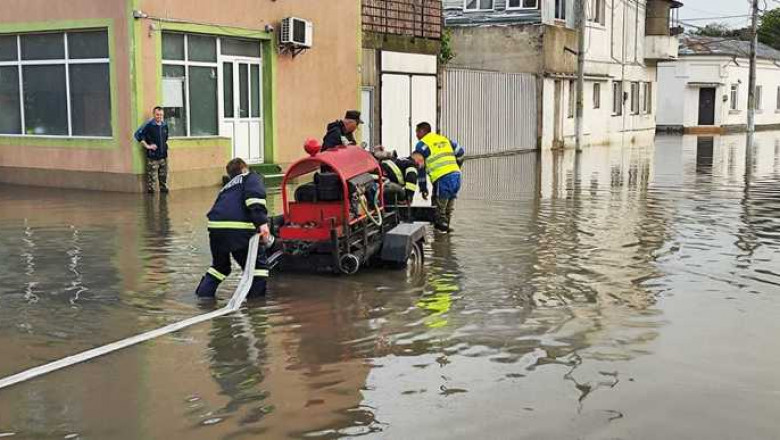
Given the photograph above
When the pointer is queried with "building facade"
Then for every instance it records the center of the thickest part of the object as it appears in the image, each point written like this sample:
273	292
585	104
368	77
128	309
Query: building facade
623	41
400	67
78	77
706	89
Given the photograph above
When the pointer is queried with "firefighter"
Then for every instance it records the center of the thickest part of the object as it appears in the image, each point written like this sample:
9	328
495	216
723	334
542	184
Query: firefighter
342	132
238	213
443	159
401	173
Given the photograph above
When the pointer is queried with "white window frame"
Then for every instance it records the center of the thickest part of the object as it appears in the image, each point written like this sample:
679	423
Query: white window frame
521	7
562	4
186	64
597	12
734	97
647	98
467	9
67	62
635	107
777	108
572	102
617	98
759	97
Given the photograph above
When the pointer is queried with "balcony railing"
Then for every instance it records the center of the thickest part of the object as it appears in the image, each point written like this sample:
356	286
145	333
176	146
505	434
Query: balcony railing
413	18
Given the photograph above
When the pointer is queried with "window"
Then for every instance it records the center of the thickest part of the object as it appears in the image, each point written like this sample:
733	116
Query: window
597	11
572	99
55	84
759	94
647	98
596	95
522	4
635	98
478	5
777	99
560	9
734	97
190	84
617	98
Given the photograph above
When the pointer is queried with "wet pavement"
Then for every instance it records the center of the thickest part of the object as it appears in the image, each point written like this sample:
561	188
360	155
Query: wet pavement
622	293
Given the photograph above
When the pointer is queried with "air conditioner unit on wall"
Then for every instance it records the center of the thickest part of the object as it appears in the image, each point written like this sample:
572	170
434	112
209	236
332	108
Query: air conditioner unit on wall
296	32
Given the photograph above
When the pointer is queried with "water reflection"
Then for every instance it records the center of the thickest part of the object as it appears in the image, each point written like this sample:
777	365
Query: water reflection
583	295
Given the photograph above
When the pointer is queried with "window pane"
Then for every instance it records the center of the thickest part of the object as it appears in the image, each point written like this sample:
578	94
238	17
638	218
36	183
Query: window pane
227	86
90	100
201	48
242	48
92	44
175	100
255	90
43	47
8	48
243	91
513	3
486	4
203	80
529	4
471	4
45	107
172	46
10	120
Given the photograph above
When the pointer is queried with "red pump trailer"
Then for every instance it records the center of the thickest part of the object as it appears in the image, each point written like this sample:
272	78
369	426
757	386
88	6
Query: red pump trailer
338	220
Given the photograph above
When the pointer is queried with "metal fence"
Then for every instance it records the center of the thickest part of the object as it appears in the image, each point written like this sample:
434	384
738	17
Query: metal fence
414	18
489	113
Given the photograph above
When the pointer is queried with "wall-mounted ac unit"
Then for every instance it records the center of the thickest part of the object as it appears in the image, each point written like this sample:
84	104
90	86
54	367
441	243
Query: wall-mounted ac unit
296	32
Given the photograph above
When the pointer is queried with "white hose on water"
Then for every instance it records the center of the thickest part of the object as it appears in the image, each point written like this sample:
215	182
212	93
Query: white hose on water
238	298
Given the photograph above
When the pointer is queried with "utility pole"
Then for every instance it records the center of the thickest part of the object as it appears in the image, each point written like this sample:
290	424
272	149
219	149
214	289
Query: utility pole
581	27
751	116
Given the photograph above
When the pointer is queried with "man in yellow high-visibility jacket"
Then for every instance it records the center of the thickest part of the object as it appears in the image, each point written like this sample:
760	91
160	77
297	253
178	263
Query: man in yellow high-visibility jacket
443	159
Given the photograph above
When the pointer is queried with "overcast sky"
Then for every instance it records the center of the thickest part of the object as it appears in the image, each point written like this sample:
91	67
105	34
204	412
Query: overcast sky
717	8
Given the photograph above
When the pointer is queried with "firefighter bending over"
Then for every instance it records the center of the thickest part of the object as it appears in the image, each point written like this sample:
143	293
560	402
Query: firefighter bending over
443	159
401	174
238	213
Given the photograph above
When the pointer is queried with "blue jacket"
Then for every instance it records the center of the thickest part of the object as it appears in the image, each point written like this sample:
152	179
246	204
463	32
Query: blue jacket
240	205
423	149
151	133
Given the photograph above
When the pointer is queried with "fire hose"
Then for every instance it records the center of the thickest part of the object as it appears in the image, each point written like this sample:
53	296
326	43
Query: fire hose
238	298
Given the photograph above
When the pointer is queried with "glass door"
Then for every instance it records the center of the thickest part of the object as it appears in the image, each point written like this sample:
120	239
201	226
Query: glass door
242	118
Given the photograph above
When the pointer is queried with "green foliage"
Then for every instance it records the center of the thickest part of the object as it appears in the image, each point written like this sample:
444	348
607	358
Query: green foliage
769	29
723	31
446	54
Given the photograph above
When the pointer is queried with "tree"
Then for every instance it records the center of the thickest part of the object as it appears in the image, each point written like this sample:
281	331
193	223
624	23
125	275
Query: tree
769	29
721	30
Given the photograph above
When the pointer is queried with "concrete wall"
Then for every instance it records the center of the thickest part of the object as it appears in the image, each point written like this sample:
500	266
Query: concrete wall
308	92
508	49
679	100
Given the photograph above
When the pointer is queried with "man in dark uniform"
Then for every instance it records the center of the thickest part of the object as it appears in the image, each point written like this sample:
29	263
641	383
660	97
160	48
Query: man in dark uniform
401	174
341	132
239	213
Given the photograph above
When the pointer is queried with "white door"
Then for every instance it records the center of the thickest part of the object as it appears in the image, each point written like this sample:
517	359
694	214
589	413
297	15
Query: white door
396	113
242	107
423	104
367	112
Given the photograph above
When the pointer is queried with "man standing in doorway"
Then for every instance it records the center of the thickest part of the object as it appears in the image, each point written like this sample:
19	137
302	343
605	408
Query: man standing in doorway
442	159
342	132
154	138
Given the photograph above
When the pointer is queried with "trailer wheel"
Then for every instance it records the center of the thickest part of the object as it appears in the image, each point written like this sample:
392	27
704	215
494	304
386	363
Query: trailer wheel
349	264
416	256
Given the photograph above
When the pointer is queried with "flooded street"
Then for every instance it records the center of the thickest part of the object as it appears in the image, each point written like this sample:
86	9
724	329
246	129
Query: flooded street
628	292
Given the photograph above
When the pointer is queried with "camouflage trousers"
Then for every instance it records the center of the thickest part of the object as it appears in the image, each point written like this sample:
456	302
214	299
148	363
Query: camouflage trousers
156	169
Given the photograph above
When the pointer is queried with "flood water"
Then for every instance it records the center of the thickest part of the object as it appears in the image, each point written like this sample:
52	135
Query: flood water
628	292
